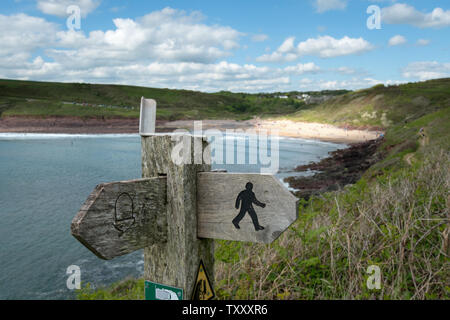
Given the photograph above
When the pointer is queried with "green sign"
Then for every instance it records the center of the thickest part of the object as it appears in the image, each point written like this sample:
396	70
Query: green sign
156	291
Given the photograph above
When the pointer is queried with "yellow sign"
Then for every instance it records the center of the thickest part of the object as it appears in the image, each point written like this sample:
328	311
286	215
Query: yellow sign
202	288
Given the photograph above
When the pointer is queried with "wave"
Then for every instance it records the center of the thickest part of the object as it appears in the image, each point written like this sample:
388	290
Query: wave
41	136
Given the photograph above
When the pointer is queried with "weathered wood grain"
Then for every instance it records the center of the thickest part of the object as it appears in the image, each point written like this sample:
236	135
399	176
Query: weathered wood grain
216	200
121	217
175	262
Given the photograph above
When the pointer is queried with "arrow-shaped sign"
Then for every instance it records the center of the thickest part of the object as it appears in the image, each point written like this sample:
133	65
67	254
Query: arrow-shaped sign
243	207
121	217
177	205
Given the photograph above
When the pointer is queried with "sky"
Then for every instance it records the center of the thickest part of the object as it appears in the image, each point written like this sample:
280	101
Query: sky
239	46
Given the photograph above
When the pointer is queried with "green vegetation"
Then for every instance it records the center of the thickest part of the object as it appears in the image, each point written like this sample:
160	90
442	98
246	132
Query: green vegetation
380	106
46	108
128	289
397	221
46	99
395	216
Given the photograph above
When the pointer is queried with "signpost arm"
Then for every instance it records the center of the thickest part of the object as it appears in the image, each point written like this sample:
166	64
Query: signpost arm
178	201
175	262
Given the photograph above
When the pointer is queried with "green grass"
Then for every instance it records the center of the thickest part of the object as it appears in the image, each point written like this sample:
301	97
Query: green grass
394	217
172	104
45	108
128	289
380	106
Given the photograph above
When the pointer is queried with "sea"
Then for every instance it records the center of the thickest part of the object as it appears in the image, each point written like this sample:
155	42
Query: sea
44	180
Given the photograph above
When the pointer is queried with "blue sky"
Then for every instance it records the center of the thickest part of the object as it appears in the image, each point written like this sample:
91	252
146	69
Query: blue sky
249	46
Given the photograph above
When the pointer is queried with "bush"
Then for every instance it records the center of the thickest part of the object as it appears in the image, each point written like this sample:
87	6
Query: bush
398	222
128	289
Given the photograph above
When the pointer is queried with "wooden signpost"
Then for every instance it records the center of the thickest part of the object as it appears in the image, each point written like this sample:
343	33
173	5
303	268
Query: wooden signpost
226	209
122	217
176	210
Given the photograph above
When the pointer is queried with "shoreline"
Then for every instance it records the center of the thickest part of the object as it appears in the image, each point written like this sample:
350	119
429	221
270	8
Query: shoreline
342	167
285	128
339	168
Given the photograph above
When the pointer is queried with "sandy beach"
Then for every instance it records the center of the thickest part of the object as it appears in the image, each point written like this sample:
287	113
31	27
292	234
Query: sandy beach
320	131
285	128
305	130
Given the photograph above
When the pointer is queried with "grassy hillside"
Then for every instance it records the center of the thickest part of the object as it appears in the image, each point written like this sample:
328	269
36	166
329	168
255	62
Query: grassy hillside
380	106
395	217
43	99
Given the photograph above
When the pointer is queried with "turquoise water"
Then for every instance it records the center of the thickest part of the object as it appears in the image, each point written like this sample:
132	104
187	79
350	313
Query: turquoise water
44	179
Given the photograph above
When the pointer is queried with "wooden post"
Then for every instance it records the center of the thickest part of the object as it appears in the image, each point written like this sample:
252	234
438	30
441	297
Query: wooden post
177	201
175	262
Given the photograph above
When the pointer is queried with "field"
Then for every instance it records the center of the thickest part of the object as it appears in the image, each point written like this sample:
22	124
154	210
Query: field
380	106
45	99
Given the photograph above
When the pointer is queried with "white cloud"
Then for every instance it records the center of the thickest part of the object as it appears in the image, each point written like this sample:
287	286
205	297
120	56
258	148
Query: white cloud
327	47
351	84
326	5
423	42
186	75
21	35
305	82
59	7
424	70
260	37
166	35
401	13
347	71
287	45
323	46
397	40
166	48
298	69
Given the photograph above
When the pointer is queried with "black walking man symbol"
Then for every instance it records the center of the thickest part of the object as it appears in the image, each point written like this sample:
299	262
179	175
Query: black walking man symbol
247	197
